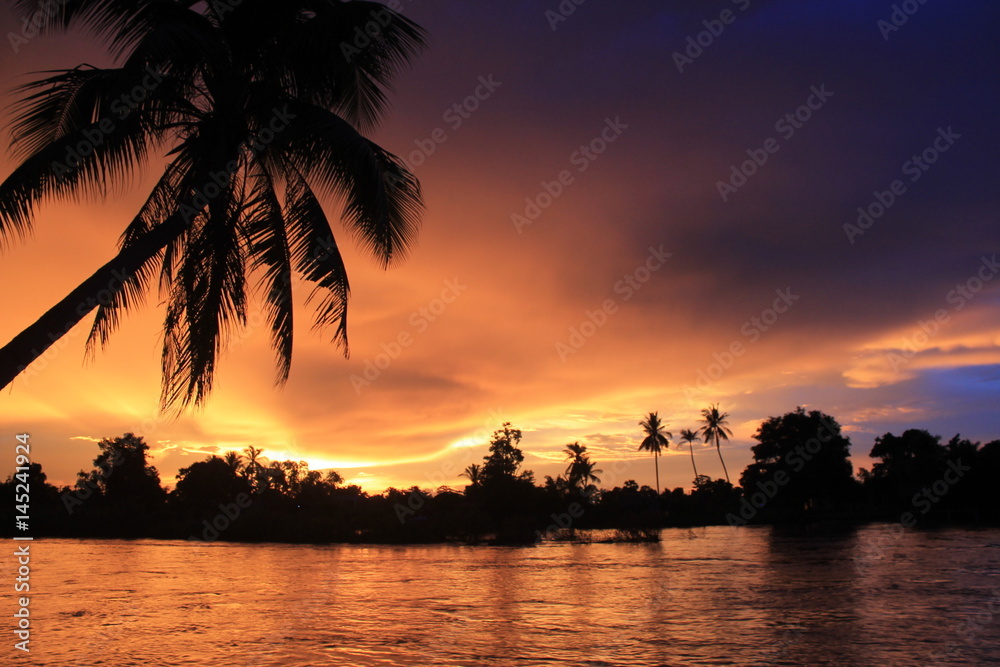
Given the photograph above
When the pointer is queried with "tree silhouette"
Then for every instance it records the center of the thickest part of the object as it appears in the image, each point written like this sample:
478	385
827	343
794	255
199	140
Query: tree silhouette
580	472
203	485
506	494
48	513
558	486
504	459
254	470
276	479
689	436
656	438
586	474
474	472
715	428
905	463
234	461
123	475
916	457
801	462
575	451
261	113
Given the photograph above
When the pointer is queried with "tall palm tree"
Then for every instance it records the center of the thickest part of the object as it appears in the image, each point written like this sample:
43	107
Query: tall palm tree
656	438
260	112
689	436
716	428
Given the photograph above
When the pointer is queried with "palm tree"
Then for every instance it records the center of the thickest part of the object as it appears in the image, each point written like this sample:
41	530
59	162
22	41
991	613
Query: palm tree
254	469
581	471
656	438
234	461
689	436
586	473
715	428
277	478
575	450
261	112
575	454
474	472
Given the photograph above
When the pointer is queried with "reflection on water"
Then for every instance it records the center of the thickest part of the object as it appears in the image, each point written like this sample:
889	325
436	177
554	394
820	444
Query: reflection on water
705	596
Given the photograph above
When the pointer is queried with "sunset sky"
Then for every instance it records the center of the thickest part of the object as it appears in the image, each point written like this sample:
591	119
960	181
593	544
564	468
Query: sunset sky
587	253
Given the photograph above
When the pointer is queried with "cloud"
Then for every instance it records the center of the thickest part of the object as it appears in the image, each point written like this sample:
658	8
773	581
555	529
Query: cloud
491	355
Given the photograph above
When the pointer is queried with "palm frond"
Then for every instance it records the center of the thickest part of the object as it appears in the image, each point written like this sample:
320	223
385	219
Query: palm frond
382	199
269	250
349	72
315	254
120	22
207	303
77	140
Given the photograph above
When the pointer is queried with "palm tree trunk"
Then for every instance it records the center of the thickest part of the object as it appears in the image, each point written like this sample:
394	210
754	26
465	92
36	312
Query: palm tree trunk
656	461
691	447
31	343
720	458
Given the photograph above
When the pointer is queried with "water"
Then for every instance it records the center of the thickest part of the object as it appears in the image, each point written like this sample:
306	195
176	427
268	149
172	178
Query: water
708	596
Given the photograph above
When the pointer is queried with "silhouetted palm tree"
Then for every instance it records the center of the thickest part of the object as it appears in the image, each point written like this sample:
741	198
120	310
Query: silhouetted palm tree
575	454
689	436
714	429
277	477
261	111
557	486
586	474
474	472
234	461
253	471
581	471
656	438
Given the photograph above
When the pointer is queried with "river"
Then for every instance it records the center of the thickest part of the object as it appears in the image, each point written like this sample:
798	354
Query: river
874	595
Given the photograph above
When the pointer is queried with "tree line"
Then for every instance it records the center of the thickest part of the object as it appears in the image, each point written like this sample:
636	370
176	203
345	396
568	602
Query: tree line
801	471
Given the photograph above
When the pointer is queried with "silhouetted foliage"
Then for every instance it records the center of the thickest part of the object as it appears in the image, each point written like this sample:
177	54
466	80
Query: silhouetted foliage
504	460
716	429
907	462
801	464
581	473
657	438
690	437
203	486
983	480
918	478
256	114
122	493
506	495
44	508
801	472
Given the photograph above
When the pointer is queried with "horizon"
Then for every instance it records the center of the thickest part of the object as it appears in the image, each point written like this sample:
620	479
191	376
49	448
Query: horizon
617	470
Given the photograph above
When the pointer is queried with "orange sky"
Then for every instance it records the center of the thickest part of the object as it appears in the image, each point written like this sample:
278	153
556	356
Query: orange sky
500	348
